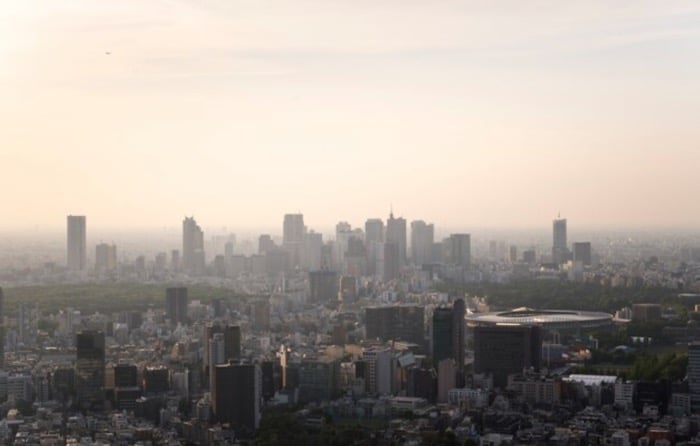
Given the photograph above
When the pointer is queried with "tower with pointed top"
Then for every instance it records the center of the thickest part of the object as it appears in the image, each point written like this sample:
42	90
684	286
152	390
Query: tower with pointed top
560	251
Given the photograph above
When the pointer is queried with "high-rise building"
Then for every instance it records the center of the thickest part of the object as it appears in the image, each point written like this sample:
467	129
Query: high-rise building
442	334
694	374
77	243
237	397
193	258
396	233
377	373
506	349
458	338
2	329
374	230
560	251
343	232
266	244
448	337
90	369
323	286
396	322
459	250
313	243
222	344
105	257
388	261
422	239
374	237
293	237
176	305
582	252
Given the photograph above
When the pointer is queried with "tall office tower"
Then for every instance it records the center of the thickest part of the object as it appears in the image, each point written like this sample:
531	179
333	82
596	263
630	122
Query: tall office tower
377	370
2	329
90	369
422	239
216	356
582	252
266	244
27	324
694	374
105	257
388	261
506	349
458	338
193	259
374	230
442	334
237	397
176	305
459	250
228	346
356	257
396	322
374	237
560	252
396	233
76	258
448	337
232	341
323	286
343	232
293	237
313	244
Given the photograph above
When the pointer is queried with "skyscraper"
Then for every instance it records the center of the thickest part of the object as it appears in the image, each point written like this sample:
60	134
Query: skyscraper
237	396
442	334
105	257
582	252
459	250
396	233
323	286
90	369
193	259
176	305
458	341
76	246
343	233
293	237
694	374
374	237
560	252
422	238
505	349
2	329
448	337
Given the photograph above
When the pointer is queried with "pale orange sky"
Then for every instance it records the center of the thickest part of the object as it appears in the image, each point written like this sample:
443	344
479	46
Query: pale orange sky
460	113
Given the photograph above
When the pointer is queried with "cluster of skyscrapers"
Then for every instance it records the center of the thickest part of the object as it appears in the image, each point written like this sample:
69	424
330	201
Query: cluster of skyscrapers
380	249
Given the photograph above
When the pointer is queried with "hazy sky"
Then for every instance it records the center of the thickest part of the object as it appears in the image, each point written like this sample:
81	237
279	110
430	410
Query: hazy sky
466	114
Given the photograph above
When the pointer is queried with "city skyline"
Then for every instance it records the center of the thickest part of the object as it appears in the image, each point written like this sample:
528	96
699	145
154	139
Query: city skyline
468	114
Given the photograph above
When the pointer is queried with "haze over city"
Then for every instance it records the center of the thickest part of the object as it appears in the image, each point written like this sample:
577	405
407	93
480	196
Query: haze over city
467	114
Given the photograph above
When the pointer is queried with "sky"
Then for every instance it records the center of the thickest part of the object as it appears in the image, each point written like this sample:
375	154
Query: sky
461	113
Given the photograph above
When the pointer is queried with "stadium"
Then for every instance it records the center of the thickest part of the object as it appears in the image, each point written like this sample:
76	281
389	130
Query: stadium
559	320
